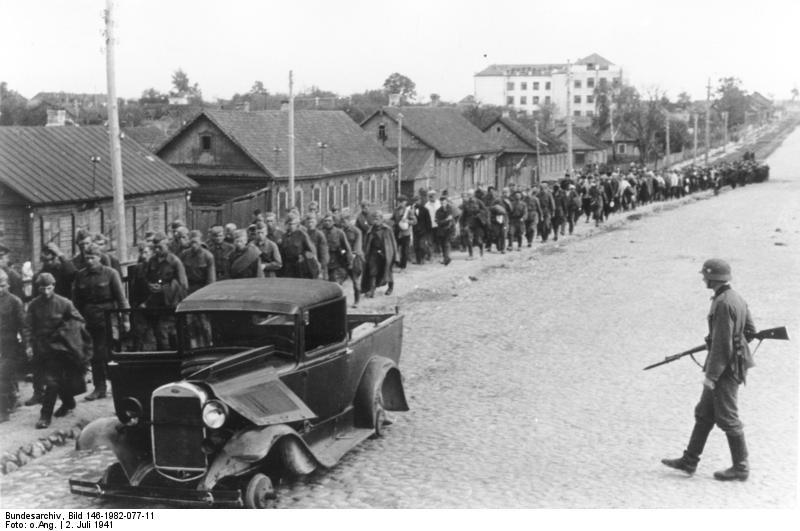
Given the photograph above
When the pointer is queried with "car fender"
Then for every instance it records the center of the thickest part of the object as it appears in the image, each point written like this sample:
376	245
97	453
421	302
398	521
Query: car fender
110	432
380	374
245	450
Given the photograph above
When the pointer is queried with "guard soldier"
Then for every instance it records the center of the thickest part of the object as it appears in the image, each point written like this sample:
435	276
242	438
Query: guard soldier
354	237
98	288
13	337
221	250
59	341
340	256
298	253
320	244
380	254
730	327
244	261
167	284
445	226
269	254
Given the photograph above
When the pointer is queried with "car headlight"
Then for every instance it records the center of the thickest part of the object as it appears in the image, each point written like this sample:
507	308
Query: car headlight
130	410
215	413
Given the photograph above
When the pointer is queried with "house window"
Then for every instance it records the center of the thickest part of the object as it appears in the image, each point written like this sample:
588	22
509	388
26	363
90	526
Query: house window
523	86
576	99
589	113
283	203
547	100
547	85
523	100
577	83
373	185
385	189
345	194
331	197
536	99
510	86
535	85
590	99
498	129
602	81
382	133
205	142
509	100
298	199
360	192
621	149
316	195
576	113
590	83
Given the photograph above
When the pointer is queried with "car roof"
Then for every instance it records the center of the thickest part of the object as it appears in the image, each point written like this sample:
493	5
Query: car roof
278	295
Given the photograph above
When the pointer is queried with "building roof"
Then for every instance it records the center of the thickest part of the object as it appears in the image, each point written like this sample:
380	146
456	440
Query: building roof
278	295
547	143
414	161
348	148
539	69
149	136
53	165
582	140
595	59
441	128
621	136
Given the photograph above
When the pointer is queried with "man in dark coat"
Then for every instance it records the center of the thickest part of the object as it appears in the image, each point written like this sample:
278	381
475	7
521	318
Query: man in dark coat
167	283
14	336
473	221
340	255
98	288
422	229
445	227
730	327
15	284
244	261
319	242
559	211
548	206
63	270
533	216
59	340
221	250
354	240
269	254
198	262
403	219
517	213
380	254
297	251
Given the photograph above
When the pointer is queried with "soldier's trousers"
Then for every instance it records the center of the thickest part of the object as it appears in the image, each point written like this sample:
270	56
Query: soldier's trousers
719	406
99	356
515	230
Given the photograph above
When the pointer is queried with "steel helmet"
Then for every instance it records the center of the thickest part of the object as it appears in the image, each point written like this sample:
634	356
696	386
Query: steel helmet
716	269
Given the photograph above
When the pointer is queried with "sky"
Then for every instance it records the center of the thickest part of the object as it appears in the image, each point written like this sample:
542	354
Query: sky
349	46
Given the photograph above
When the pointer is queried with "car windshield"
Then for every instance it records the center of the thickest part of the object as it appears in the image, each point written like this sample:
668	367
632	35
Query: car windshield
237	331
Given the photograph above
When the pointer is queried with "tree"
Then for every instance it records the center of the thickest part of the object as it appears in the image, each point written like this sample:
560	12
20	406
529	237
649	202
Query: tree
684	100
258	88
360	106
400	84
481	115
733	100
180	80
13	107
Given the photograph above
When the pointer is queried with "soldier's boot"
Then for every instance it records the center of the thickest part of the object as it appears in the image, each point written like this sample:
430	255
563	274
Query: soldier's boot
391	288
740	469
691	456
371	288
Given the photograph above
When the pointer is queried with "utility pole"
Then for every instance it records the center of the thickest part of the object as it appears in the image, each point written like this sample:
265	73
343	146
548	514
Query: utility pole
666	160
291	141
114	143
708	120
538	156
399	153
725	145
694	157
570	160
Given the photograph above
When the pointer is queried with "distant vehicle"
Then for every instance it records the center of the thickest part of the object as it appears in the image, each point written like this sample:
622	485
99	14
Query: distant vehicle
263	379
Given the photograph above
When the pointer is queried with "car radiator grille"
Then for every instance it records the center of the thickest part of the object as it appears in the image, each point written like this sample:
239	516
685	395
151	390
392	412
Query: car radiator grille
178	432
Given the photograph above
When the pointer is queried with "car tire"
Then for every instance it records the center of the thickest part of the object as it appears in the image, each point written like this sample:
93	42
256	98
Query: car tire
259	493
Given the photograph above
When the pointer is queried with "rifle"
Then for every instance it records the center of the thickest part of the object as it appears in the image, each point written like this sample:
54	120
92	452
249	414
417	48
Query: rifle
770	333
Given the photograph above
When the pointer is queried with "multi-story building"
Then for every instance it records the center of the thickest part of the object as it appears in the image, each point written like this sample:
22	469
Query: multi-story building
528	87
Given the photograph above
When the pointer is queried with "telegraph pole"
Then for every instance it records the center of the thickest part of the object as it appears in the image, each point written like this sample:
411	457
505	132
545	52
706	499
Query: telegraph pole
538	156
666	161
694	157
113	136
291	141
570	160
708	119
399	153
725	145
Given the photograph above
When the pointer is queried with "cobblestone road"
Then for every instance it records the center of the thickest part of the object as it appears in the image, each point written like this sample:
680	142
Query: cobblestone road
526	386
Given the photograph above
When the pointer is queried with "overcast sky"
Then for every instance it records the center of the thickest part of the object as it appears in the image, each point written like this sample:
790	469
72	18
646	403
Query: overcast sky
348	46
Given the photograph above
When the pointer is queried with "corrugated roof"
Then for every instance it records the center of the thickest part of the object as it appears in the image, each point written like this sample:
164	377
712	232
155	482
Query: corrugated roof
348	147
547	144
442	128
53	165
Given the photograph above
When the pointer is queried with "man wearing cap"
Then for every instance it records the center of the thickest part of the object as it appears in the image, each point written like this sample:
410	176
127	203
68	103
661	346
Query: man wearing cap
517	213
445	227
63	270
403	219
58	340
83	239
180	240
354	240
167	284
380	253
230	229
533	216
102	243
340	256
319	242
422	229
269	255
14	335
473	221
244	261
730	327
274	232
198	263
14	279
98	288
297	250
221	250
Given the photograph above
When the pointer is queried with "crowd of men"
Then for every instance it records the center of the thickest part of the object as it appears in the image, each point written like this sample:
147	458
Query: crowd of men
56	334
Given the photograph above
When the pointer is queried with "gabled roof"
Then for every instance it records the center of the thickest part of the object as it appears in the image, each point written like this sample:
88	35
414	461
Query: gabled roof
582	140
348	147
547	143
594	59
621	136
53	165
758	100
414	161
441	128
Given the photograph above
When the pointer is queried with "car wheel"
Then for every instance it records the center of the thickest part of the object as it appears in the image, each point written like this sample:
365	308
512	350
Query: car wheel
114	475
259	493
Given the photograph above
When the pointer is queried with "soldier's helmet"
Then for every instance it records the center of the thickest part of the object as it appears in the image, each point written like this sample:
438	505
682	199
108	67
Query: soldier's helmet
716	269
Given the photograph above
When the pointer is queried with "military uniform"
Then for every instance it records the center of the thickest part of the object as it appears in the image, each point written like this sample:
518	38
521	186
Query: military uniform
14	336
221	252
354	240
321	245
63	271
296	250
269	257
200	268
340	255
96	290
168	272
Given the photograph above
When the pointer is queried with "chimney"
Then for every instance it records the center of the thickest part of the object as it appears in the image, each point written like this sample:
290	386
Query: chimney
56	117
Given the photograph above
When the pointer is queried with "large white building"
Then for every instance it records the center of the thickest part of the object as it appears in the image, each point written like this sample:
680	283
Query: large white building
526	87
